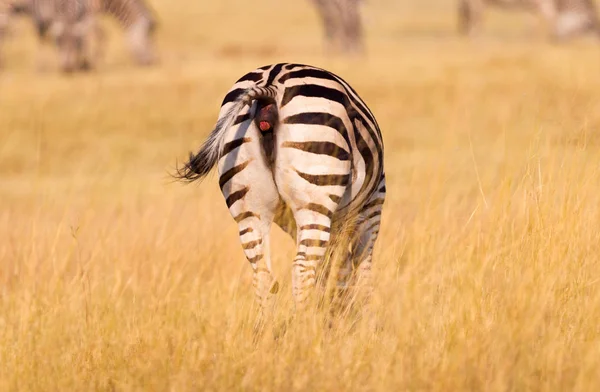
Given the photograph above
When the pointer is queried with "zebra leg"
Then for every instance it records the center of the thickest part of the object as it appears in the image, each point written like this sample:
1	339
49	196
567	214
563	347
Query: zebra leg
4	15
140	41
362	248
313	200
330	20
313	239
85	30
254	236
582	18
352	26
99	43
251	195
469	16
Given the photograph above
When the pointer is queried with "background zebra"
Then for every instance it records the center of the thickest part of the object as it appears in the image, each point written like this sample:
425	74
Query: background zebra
296	145
134	16
5	11
342	25
566	17
7	8
70	24
139	23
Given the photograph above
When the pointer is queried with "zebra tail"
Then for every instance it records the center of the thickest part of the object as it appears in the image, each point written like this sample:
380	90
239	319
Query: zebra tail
200	164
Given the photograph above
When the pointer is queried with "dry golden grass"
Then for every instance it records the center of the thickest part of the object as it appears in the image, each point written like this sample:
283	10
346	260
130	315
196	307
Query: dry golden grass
112	277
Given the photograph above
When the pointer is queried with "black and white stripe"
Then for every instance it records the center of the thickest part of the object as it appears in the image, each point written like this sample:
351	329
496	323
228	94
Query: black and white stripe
317	168
566	17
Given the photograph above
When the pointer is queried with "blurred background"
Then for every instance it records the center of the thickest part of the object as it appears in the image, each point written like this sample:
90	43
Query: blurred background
113	276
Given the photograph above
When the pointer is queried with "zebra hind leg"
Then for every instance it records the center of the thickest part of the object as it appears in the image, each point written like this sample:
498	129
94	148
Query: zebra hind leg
362	248
140	41
255	239
469	16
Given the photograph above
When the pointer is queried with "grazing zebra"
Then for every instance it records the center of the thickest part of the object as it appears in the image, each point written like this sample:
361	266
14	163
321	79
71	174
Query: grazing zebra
296	145
134	16
342	24
567	17
70	24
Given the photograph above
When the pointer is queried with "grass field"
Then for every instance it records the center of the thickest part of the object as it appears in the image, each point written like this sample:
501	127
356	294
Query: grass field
114	277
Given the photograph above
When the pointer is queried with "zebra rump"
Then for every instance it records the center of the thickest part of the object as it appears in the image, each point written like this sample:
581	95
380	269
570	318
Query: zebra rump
201	163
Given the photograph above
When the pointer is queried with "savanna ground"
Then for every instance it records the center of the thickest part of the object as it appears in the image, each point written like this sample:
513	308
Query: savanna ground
113	277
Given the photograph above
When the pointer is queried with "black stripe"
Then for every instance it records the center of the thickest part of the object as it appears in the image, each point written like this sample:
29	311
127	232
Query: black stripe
252	76
232	145
373	214
382	189
292	66
311	269
246	230
315	227
245	215
314	243
314	91
300	254
321	148
374	225
233	95
251	244
321	209
373	203
367	156
228	175
254	259
273	73
241	118
335	199
265	67
326	179
308	73
320	118
235	196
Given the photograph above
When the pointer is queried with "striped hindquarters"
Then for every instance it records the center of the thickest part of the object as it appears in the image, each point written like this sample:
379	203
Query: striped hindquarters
310	96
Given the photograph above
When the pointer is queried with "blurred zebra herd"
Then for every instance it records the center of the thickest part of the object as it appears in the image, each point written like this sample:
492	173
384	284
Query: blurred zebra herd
74	30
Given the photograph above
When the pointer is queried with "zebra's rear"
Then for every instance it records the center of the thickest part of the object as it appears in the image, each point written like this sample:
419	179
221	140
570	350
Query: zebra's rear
296	145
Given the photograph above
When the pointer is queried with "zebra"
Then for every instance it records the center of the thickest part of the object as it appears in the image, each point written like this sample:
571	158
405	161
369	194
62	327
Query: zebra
134	16
567	17
70	24
7	8
295	144
342	25
139	22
